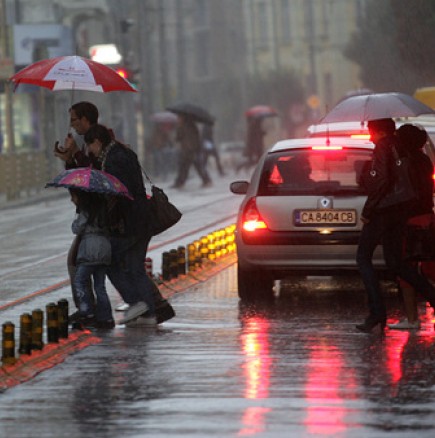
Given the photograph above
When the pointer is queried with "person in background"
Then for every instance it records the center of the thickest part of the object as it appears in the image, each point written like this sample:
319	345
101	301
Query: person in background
92	260
209	147
162	145
190	151
411	141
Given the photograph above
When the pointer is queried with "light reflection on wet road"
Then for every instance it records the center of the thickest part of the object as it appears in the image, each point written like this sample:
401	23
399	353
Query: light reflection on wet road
296	368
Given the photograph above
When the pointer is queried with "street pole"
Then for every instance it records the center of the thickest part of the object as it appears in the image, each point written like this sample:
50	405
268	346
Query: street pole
6	55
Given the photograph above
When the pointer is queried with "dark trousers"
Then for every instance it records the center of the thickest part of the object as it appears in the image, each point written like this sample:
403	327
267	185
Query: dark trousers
387	228
186	160
127	271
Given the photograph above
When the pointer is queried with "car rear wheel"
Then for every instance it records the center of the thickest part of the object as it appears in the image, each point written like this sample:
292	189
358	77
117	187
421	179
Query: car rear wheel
254	285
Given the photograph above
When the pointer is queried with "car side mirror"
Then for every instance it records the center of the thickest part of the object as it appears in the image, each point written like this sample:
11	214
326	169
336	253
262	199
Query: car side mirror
239	187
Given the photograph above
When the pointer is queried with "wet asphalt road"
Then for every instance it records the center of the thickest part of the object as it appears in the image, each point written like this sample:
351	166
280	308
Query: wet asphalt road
292	368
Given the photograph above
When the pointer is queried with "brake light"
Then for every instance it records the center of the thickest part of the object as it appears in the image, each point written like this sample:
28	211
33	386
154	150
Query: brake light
327	148
251	220
361	136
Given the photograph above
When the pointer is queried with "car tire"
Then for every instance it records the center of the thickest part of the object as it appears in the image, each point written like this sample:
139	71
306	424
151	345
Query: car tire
254	285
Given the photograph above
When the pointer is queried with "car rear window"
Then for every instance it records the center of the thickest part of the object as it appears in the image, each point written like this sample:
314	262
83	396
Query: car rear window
314	172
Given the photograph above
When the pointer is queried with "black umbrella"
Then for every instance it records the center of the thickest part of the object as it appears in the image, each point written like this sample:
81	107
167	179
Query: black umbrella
195	111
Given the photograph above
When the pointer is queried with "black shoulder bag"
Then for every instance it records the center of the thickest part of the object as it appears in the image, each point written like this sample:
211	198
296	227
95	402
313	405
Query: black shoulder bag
163	214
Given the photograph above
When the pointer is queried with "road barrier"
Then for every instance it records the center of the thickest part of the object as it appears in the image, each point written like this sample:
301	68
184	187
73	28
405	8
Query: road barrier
8	343
25	334
37	329
175	264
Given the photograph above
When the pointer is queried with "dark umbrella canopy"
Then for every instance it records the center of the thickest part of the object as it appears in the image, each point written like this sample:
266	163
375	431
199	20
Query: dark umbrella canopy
90	180
197	112
376	106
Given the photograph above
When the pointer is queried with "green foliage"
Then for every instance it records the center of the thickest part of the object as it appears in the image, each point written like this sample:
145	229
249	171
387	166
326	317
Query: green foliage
392	45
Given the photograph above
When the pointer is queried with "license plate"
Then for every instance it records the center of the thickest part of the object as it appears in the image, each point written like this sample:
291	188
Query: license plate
325	217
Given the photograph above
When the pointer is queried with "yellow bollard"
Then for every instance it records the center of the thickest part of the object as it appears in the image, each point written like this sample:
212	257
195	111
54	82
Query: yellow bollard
25	346
204	247
191	261
198	260
62	306
8	343
52	323
37	329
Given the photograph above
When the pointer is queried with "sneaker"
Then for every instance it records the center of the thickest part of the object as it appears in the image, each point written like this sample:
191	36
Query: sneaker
142	321
134	311
404	324
122	307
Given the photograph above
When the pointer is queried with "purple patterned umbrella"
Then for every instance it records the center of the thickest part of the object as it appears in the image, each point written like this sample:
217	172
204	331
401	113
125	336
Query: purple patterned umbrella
90	180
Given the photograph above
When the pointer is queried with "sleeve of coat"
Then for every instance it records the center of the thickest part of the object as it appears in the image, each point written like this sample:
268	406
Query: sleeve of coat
382	164
79	224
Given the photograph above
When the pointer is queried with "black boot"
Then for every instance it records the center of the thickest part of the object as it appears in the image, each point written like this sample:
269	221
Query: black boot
164	311
371	322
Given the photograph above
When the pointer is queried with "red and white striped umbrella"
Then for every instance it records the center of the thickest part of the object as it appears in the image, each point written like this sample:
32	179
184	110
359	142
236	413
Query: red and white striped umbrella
72	73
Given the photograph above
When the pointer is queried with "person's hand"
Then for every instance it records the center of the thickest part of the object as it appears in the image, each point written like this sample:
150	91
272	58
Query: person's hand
364	220
61	152
70	145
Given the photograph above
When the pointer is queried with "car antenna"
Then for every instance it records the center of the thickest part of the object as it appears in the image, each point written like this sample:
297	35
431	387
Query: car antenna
328	141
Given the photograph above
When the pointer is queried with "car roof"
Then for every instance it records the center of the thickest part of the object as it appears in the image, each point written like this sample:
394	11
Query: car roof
349	128
308	142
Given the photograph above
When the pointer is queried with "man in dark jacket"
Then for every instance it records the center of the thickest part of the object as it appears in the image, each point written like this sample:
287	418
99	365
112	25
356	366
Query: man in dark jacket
385	226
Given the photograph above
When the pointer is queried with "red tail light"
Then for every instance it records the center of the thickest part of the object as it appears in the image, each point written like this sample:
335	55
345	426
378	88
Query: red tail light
252	220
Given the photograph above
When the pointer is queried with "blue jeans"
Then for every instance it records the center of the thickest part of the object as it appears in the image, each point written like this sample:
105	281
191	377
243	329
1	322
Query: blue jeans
127	271
81	285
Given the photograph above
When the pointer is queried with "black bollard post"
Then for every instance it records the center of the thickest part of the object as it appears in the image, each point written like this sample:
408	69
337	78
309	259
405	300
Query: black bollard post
166	275
37	324
181	251
62	306
25	346
173	263
52	323
8	343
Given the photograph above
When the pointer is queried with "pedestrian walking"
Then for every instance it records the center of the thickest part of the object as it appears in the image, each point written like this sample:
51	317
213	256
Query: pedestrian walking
92	259
74	152
411	140
129	225
190	151
83	115
209	148
384	225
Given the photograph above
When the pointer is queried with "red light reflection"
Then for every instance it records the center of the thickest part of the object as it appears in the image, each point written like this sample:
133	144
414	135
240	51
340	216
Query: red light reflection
394	349
257	369
326	375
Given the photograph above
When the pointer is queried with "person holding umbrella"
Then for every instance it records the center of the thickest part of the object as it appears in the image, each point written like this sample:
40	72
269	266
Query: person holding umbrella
385	225
189	140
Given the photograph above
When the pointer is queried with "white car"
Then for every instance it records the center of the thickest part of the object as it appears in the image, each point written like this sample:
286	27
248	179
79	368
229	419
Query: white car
301	212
